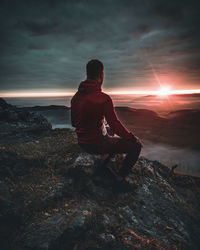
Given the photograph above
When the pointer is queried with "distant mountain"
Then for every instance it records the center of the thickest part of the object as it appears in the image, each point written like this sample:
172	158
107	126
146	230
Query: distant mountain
137	112
49	107
178	128
186	115
189	95
137	115
131	115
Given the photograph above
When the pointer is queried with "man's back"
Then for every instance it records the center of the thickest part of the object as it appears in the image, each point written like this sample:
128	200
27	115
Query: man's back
89	107
87	111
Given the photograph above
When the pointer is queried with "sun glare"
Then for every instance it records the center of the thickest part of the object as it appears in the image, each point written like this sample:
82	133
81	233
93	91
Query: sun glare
164	91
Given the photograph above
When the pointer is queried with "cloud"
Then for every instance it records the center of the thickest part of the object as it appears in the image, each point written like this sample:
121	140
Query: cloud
41	27
47	44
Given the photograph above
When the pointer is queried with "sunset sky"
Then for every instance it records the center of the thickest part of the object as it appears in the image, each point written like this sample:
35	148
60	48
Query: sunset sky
143	44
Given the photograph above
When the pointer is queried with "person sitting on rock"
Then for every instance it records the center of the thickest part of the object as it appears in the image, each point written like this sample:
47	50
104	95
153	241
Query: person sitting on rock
90	107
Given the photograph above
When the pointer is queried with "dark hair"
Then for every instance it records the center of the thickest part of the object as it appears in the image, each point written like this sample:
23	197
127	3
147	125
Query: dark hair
94	68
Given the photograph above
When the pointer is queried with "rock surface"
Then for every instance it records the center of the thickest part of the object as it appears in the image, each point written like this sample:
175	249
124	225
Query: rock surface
60	198
57	115
20	125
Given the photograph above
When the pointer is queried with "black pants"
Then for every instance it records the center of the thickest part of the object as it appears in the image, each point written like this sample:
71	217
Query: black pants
116	145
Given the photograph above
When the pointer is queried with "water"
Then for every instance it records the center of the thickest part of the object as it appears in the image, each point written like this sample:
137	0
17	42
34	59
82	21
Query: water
188	161
54	125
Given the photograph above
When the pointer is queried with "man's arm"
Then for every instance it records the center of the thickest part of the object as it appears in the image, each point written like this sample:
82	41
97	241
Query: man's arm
116	126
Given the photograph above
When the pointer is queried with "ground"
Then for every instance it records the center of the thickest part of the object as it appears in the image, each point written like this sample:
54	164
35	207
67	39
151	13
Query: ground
54	196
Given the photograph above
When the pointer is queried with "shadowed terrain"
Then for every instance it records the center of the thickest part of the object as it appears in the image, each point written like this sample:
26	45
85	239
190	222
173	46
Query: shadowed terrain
178	128
54	196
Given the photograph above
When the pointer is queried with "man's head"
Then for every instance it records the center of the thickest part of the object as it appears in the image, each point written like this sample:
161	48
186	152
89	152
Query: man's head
95	70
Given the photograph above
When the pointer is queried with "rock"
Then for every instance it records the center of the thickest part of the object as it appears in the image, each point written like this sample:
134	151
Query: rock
49	233
70	202
10	219
13	165
43	235
18	124
3	104
86	162
107	237
55	192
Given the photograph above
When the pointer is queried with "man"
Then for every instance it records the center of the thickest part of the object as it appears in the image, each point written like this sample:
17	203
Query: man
89	109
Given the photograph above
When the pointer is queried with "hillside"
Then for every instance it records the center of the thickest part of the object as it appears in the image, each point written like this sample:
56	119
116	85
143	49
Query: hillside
178	128
54	196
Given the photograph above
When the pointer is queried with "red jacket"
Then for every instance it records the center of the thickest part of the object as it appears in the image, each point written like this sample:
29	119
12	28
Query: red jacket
89	108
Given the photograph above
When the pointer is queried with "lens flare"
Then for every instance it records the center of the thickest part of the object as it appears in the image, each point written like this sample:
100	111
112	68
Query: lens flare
164	91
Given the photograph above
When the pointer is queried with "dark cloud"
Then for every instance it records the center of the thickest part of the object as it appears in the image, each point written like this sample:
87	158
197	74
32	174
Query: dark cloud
170	10
46	44
142	29
41	27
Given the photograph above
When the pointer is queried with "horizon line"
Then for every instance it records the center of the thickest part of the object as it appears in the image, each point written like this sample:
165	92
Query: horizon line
117	92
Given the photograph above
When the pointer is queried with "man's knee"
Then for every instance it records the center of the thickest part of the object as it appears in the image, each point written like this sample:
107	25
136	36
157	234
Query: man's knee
136	148
139	146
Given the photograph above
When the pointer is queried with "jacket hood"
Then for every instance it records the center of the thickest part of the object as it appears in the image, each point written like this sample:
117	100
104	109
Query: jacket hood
88	86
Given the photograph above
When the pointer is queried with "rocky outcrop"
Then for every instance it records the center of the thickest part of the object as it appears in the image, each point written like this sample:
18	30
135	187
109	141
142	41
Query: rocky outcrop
57	115
17	124
68	201
4	104
149	214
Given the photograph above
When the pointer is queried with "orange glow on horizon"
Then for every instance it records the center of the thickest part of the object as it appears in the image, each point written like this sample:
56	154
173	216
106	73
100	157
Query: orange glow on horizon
162	92
37	94
154	92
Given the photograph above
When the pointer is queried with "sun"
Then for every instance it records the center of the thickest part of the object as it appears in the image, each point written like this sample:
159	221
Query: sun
164	91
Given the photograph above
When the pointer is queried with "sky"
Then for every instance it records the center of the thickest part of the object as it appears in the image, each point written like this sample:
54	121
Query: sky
45	45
